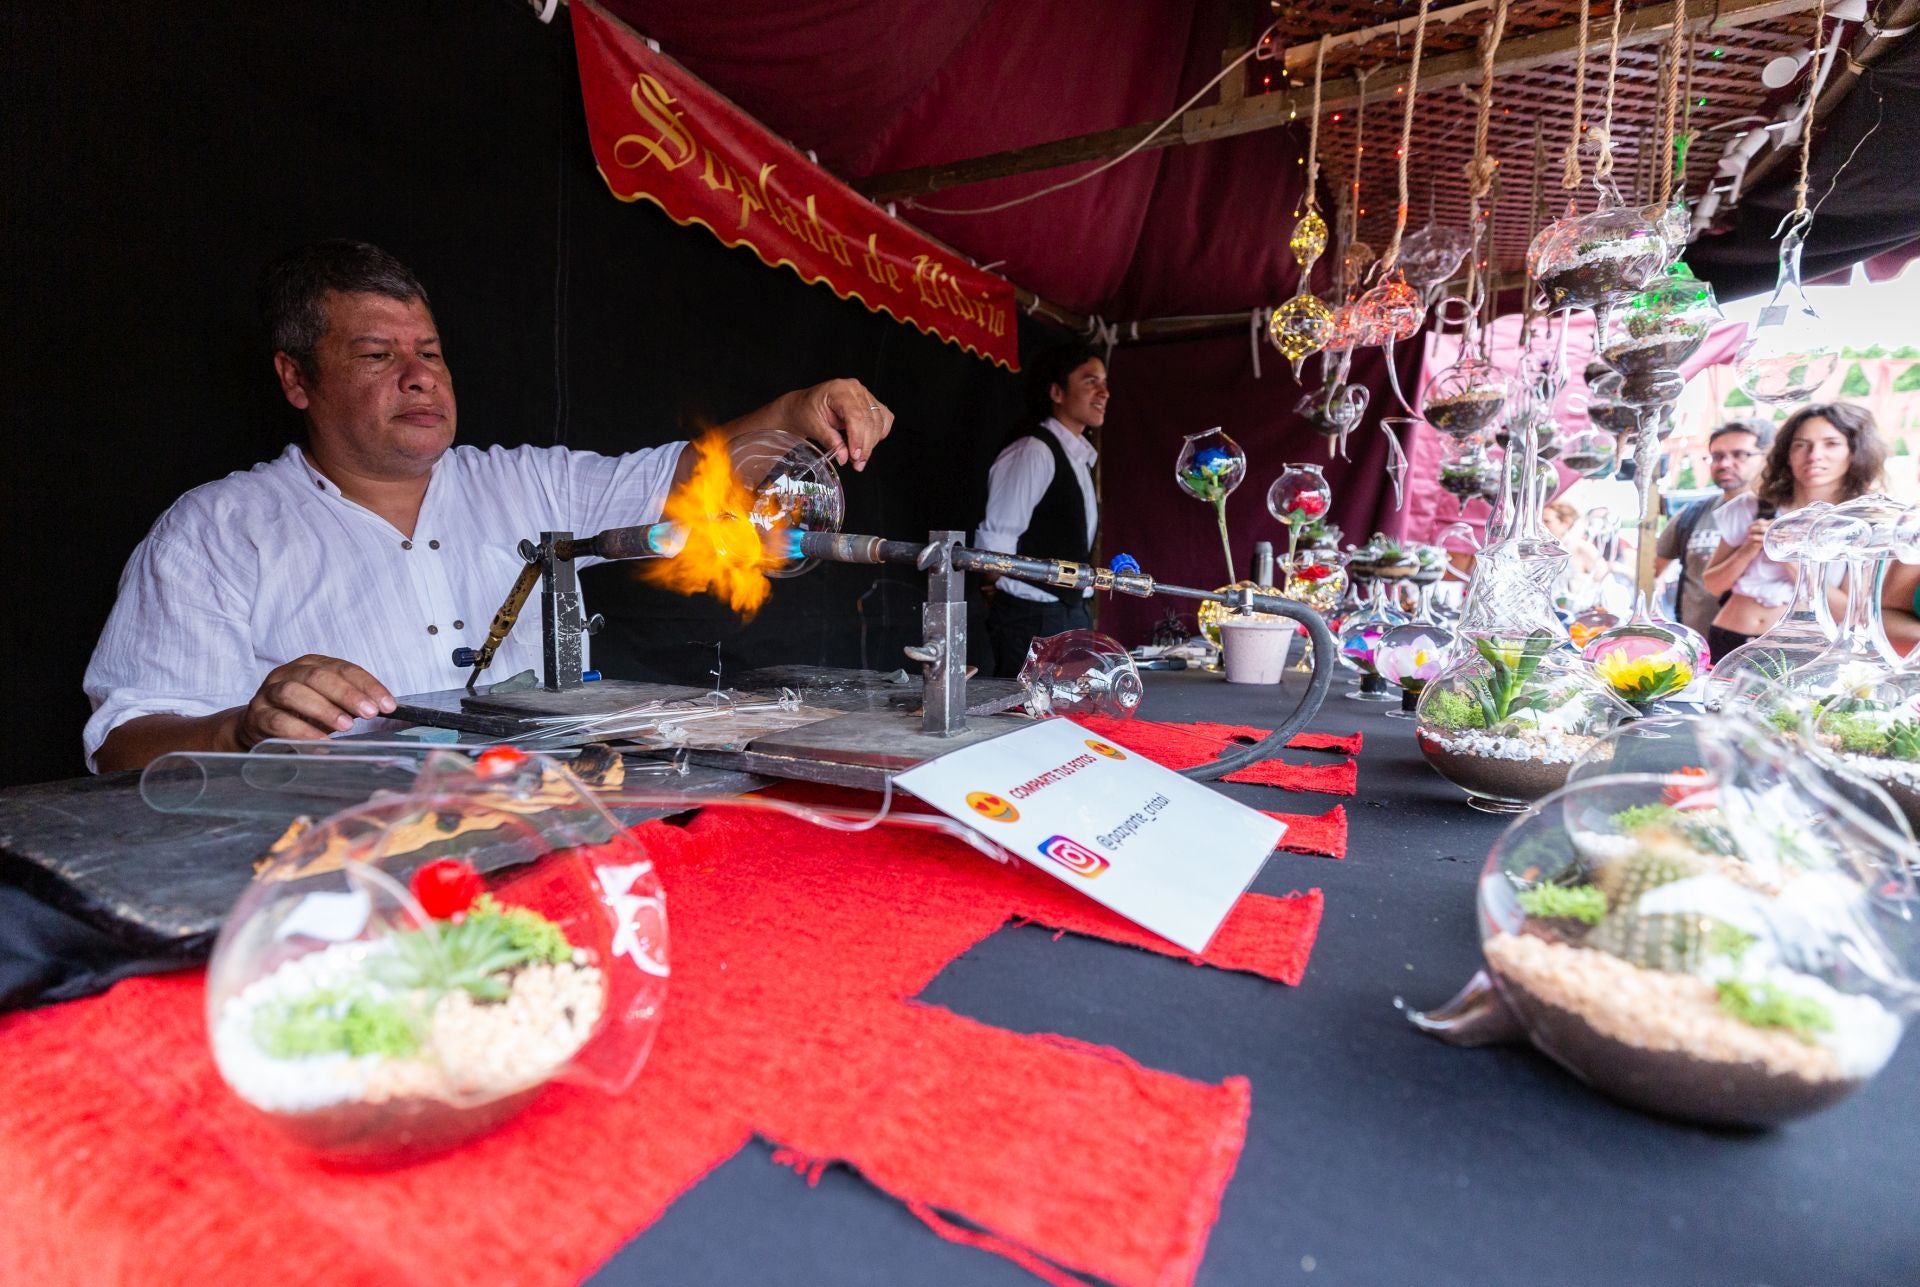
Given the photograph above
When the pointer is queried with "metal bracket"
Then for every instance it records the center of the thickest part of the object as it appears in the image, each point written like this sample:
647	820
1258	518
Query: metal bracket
562	627
942	653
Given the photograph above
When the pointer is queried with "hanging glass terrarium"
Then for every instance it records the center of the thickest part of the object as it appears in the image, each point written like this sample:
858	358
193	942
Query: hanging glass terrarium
1590	452
1466	398
1647	340
1461	465
1596	260
1788	354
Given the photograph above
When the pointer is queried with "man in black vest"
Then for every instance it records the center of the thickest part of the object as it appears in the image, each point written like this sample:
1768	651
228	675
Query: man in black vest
1040	501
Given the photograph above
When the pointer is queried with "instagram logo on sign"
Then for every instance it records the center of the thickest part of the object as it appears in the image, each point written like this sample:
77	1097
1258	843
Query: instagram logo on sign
1074	856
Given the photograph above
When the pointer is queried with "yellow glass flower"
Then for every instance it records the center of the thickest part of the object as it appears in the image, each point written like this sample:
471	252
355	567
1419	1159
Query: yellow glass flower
1642	679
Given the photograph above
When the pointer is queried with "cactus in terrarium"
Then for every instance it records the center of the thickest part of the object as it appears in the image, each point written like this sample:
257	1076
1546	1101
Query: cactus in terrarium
1661	859
1903	740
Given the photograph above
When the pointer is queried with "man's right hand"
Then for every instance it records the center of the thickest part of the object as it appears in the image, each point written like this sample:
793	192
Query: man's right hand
310	697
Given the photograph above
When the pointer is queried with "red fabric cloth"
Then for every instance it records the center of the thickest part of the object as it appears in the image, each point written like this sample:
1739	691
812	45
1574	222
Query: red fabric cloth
795	954
1182	746
1308	833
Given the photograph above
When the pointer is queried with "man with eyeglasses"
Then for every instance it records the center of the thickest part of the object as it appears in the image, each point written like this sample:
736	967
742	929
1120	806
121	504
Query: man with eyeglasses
1736	451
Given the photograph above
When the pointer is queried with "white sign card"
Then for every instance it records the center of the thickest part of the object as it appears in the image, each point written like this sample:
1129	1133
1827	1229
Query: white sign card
1167	853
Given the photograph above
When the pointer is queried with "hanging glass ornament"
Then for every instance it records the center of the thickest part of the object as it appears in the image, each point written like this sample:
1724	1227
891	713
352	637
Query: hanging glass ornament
1308	241
1359	257
1462	462
1390	312
1432	255
1787	355
1344	329
1299	328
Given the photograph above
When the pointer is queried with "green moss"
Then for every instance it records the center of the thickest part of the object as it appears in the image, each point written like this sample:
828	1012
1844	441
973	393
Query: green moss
1643	815
1903	740
1785	719
334	1022
1449	708
1765	1007
1859	734
1576	902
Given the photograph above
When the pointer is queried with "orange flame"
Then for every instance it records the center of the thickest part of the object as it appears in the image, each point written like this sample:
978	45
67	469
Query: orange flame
724	555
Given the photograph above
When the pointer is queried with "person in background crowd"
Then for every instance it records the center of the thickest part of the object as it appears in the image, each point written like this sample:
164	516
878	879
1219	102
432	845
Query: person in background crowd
1041	503
1827	451
1736	451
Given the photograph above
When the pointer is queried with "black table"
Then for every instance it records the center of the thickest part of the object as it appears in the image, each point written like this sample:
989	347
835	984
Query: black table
1374	1155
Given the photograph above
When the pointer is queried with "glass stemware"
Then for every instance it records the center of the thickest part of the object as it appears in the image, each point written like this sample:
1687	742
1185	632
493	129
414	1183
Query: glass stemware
1801	635
1865	532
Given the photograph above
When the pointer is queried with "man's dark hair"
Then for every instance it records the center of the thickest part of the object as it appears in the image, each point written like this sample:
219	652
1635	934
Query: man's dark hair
293	290
1053	366
1866	453
1762	431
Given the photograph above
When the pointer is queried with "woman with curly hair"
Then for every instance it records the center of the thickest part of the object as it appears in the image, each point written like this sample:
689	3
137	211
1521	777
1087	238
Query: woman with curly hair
1828	451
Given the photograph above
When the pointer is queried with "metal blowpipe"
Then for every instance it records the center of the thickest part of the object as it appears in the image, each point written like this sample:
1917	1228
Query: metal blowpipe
839	547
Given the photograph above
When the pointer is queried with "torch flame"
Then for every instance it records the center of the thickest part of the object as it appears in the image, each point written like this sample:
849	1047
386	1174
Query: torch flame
724	554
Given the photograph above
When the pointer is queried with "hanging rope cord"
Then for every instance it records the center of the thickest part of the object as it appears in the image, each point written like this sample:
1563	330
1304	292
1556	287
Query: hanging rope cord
1670	107
1258	44
1360	77
1313	127
1806	117
1392	256
1603	134
1570	171
1481	169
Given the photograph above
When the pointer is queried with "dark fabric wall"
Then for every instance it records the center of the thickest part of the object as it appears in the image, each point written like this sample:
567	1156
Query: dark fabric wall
1874	208
156	156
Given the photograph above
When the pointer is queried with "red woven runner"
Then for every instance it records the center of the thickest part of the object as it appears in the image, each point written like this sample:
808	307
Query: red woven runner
796	953
1182	746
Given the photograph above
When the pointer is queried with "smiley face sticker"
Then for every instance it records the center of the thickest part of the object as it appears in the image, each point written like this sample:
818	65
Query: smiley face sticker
1107	749
992	807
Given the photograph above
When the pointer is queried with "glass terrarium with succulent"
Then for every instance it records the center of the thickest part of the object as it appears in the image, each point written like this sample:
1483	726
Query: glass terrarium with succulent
1461	465
1875	732
412	971
1726	941
1509	716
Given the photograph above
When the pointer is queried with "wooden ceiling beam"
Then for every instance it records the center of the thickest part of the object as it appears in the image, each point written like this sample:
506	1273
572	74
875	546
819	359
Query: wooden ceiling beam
1643	26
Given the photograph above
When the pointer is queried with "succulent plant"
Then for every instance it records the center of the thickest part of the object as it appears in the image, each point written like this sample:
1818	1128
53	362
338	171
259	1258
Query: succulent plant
473	953
1660	860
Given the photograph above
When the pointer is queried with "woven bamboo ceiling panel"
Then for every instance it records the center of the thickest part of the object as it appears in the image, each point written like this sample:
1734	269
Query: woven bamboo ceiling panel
1532	119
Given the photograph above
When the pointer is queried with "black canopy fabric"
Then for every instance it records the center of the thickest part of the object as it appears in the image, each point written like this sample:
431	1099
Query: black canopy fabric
1874	207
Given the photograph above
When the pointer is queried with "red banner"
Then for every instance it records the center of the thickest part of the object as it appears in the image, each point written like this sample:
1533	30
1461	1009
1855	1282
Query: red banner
661	135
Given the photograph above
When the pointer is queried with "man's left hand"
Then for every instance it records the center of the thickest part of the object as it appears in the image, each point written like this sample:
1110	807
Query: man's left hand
843	417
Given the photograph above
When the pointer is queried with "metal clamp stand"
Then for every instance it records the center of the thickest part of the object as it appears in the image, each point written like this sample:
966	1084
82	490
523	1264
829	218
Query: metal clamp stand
562	627
942	653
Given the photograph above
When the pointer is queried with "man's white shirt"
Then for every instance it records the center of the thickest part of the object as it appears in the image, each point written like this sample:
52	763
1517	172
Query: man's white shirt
1018	478
244	574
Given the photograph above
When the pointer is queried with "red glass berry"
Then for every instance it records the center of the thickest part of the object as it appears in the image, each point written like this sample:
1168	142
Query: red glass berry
446	887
